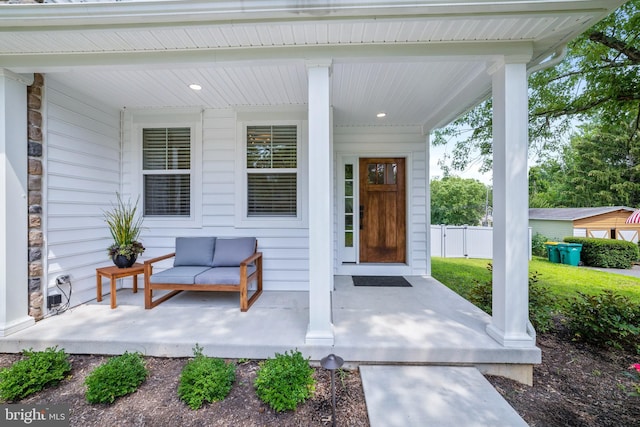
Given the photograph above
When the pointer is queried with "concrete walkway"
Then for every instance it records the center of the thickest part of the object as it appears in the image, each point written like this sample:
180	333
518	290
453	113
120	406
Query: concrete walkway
435	396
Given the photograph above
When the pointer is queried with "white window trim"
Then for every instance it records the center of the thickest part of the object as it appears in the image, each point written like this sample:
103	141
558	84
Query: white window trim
348	254
170	118
302	201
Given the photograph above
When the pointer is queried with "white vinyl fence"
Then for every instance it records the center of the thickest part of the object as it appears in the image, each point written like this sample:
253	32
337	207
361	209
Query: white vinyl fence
462	241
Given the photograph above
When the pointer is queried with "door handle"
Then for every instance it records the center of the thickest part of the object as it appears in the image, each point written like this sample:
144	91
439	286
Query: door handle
361	215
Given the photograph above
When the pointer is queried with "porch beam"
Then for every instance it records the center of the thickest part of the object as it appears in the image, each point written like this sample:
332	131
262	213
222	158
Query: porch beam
14	299
510	305
320	329
406	52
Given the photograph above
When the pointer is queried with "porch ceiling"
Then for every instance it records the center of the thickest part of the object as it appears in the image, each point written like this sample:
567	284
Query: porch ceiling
420	62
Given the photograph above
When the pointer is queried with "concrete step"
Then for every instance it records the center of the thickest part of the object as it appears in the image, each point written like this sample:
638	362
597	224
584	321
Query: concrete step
433	396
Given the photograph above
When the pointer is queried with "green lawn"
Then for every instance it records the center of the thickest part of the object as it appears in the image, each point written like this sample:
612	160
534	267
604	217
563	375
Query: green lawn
564	281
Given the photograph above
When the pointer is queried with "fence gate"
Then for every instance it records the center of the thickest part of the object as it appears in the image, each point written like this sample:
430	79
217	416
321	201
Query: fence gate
461	241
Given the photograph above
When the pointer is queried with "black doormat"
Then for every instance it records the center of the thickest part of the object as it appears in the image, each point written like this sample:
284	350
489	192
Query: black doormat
390	281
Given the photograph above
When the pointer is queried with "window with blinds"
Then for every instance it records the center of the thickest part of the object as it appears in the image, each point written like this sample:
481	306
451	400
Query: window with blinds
272	174
166	169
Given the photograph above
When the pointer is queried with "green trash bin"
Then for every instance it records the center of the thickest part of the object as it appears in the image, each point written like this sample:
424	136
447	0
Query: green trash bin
552	251
570	253
562	250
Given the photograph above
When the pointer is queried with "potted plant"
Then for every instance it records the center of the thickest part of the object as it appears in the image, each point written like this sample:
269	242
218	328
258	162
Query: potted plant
125	229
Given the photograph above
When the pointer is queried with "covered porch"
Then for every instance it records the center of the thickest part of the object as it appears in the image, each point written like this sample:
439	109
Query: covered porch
82	82
423	324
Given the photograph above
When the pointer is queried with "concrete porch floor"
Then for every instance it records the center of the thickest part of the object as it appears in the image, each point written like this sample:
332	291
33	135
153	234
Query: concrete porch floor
423	324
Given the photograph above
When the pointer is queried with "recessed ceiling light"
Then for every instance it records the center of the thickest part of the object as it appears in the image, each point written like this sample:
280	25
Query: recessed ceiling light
381	115
195	86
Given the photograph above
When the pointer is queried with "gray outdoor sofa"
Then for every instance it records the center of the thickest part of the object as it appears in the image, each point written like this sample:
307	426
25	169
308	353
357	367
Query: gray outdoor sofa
207	264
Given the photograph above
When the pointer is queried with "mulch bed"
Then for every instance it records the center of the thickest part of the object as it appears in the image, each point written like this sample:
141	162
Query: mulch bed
156	402
576	385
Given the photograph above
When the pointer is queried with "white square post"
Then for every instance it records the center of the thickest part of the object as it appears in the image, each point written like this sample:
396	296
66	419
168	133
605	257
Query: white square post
320	329
510	303
14	275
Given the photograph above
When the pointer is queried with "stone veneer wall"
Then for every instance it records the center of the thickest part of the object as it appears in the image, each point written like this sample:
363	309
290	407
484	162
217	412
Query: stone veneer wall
34	106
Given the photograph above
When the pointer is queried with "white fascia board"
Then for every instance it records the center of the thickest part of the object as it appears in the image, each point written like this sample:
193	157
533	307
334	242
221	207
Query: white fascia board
464	51
163	12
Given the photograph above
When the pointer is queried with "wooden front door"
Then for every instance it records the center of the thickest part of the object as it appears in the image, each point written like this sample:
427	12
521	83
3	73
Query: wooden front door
382	210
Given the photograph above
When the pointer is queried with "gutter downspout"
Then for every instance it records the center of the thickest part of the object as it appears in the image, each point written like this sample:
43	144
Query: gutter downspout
558	56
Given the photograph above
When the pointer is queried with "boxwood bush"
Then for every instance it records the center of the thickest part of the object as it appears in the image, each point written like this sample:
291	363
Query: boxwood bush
119	376
38	370
285	381
606	253
205	379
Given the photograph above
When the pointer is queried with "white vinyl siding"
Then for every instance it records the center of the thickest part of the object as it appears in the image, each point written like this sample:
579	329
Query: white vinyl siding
82	176
552	229
222	161
79	236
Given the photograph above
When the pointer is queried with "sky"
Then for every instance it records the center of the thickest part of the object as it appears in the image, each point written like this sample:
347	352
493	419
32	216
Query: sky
473	172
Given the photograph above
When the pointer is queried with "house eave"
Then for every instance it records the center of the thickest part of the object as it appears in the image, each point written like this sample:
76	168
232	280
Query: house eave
112	37
47	16
405	52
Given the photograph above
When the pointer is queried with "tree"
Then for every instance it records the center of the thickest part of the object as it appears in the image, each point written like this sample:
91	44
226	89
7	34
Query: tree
599	81
546	184
458	201
600	167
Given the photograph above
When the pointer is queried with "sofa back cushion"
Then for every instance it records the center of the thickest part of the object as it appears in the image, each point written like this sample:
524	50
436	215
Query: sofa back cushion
231	252
192	251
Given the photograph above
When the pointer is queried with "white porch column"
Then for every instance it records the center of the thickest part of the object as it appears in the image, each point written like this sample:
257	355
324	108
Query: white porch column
320	329
14	296
510	207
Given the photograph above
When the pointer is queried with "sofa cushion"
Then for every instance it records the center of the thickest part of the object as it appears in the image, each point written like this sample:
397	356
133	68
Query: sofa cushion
222	275
180	275
194	251
231	252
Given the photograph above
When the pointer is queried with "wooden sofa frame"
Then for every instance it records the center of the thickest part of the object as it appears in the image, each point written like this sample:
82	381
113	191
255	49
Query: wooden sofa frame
176	288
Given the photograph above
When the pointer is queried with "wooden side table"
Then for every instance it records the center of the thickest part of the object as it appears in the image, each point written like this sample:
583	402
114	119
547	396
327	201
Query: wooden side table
113	273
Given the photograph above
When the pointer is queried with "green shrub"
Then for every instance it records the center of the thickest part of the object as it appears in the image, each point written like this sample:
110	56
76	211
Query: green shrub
605	319
285	381
119	376
40	369
542	302
537	245
480	294
205	379
606	253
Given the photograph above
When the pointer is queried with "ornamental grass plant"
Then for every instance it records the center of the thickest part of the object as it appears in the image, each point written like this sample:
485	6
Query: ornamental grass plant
125	227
